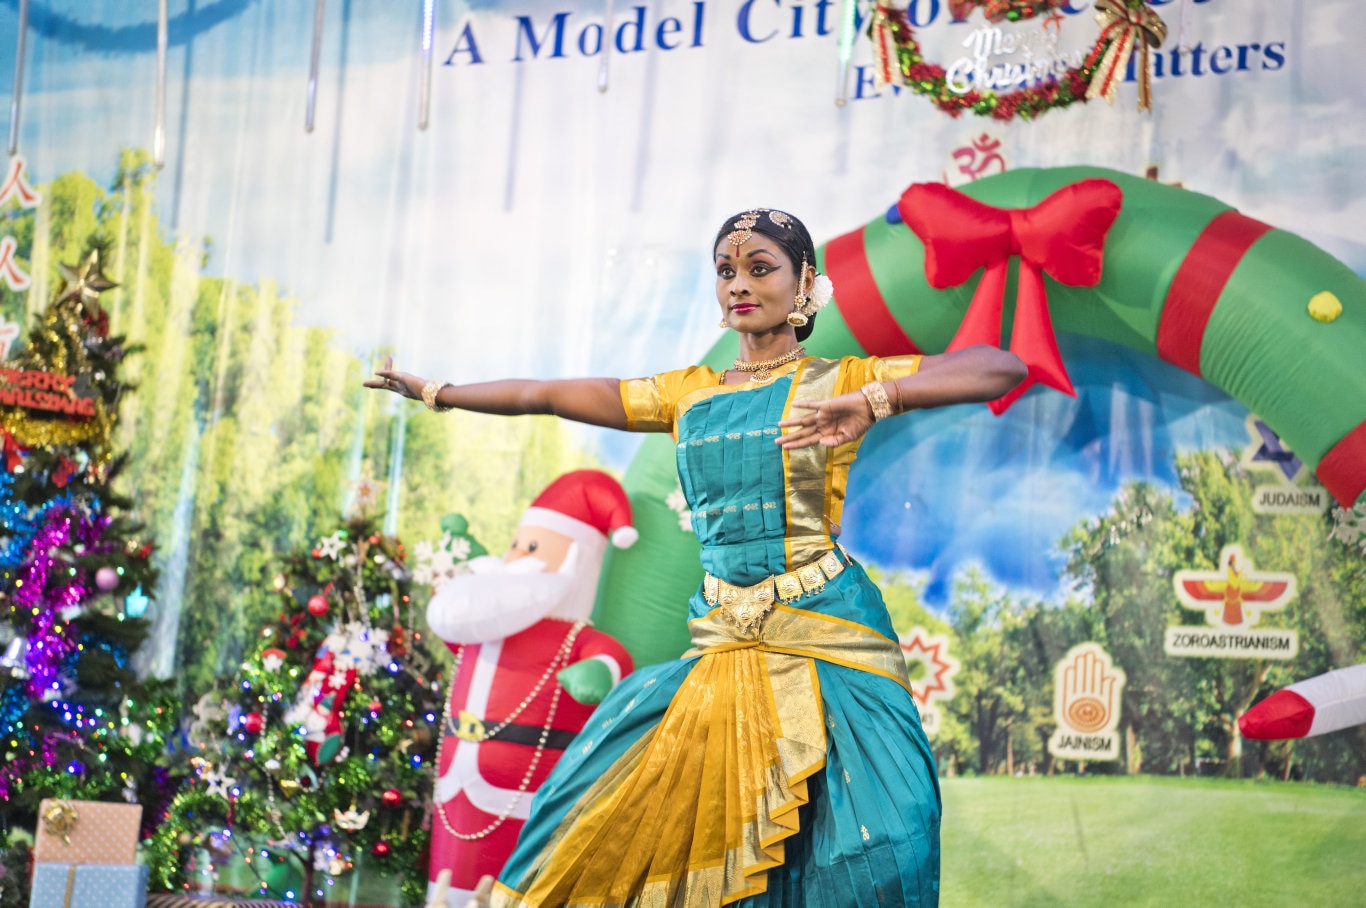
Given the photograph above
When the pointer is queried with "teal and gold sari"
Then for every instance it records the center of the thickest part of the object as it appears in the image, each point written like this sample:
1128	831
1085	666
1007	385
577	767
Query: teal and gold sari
780	761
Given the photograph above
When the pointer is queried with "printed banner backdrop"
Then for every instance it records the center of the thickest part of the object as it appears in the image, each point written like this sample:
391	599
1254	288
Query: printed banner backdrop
532	206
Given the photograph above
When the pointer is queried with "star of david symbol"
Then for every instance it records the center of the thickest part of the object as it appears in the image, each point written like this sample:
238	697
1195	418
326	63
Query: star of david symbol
1274	452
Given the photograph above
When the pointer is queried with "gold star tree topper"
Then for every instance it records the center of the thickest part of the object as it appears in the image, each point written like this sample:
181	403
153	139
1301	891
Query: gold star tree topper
366	491
86	281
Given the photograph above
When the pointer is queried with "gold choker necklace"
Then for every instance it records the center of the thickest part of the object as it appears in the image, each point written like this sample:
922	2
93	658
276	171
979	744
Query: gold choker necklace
762	371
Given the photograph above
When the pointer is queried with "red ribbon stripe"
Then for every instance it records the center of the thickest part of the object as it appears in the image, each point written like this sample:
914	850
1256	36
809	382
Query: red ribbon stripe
1343	469
1198	284
860	301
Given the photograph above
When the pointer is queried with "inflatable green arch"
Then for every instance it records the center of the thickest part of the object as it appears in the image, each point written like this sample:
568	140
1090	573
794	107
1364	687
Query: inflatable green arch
1185	278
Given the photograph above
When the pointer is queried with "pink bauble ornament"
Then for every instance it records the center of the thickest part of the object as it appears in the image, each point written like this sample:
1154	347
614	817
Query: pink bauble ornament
253	723
317	605
106	578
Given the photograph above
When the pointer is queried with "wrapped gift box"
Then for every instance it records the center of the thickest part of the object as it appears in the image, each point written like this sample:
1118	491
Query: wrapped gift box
50	883
86	832
89	886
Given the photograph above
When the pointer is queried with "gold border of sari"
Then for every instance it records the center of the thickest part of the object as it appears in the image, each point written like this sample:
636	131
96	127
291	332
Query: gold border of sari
804	471
788	748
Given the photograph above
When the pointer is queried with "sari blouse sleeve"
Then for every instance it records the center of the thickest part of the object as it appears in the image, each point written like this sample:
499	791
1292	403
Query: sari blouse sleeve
651	403
855	372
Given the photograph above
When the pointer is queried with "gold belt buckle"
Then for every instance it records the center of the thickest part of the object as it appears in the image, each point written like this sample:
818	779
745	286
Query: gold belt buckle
745	607
469	727
742	607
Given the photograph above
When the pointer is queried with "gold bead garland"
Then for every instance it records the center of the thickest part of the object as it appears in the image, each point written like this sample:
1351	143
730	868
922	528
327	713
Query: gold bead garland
561	660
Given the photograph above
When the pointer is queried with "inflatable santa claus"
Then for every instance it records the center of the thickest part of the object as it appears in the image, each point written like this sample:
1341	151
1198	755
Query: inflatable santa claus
528	672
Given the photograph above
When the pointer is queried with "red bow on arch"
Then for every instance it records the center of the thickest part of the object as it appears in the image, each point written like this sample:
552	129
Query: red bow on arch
1062	236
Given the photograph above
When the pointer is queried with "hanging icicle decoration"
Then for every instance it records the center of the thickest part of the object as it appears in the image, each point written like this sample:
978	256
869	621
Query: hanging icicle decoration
18	79
424	100
159	129
1183	44
397	443
606	44
847	32
319	9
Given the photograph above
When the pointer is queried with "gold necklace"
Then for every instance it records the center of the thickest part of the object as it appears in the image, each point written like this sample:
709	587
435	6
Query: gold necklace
762	371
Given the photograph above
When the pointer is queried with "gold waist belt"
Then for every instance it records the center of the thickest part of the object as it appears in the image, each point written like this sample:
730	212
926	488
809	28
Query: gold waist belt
745	607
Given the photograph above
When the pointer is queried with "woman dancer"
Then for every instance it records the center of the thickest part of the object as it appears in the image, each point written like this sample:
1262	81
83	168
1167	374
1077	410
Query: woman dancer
780	761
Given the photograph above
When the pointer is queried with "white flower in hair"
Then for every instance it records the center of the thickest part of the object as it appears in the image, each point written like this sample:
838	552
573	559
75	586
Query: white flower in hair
822	290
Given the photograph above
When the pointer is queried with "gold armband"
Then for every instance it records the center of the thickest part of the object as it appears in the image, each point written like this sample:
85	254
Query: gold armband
429	392
877	399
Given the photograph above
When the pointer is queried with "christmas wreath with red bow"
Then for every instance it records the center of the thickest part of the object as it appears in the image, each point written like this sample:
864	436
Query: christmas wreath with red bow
996	10
1126	26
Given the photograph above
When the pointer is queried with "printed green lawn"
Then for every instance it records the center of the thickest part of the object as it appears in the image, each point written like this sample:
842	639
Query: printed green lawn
1151	841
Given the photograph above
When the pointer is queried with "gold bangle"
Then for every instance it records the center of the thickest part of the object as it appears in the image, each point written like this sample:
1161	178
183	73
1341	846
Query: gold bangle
877	399
429	392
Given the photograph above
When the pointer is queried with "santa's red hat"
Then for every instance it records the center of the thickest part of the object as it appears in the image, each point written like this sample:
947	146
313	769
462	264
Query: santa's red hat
586	505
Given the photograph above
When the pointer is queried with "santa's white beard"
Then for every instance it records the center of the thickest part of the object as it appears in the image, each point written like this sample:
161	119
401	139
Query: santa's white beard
496	600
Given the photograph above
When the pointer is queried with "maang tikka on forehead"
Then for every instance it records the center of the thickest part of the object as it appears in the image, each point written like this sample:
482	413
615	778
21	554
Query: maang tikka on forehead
743	228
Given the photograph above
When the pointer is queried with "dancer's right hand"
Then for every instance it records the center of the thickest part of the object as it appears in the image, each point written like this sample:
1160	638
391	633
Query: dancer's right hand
404	384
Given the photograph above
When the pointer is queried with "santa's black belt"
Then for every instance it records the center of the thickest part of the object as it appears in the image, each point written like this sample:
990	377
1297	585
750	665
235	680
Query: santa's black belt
469	727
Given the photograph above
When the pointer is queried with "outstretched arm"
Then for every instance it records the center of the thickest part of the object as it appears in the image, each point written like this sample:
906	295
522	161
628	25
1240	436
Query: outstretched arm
970	375
596	401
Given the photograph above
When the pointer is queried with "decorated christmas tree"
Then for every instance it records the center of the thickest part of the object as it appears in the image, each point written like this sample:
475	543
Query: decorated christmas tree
74	721
313	763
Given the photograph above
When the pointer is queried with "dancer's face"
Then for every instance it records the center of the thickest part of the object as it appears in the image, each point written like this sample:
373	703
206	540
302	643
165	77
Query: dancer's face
756	284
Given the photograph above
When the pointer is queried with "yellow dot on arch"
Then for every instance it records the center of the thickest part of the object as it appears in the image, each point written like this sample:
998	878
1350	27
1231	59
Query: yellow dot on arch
1325	306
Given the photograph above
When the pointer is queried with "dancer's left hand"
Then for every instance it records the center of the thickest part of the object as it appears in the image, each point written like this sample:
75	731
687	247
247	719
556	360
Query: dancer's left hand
832	422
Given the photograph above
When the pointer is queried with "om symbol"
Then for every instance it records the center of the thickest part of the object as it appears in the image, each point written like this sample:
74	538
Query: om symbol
981	157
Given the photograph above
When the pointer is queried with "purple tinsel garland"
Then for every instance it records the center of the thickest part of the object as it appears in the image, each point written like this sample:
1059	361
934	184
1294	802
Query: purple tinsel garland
41	603
45	754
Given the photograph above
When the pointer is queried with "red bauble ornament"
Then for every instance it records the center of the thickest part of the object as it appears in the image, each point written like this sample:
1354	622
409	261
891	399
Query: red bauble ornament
317	605
375	706
317	553
381	849
253	723
391	797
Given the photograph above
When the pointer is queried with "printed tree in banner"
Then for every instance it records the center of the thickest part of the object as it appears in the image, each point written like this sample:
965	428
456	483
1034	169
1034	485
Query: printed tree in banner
315	758
74	722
